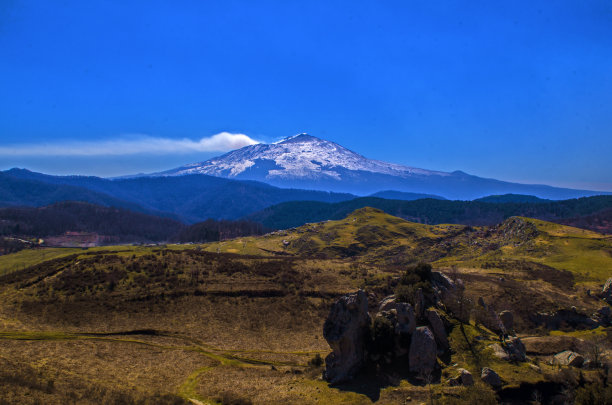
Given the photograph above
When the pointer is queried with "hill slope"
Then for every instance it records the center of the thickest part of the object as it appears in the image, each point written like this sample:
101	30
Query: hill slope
120	225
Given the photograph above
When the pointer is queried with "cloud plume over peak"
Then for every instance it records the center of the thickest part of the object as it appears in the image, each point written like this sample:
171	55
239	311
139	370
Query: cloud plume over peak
131	145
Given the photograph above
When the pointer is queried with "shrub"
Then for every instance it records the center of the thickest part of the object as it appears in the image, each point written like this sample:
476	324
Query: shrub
594	394
316	361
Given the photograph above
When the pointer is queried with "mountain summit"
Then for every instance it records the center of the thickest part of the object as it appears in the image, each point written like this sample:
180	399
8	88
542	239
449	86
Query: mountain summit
305	161
298	157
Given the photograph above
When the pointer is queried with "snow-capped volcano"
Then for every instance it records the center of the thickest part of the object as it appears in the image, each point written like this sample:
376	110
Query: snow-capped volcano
305	161
298	157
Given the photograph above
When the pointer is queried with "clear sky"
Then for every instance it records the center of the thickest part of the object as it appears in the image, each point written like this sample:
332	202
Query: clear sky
516	90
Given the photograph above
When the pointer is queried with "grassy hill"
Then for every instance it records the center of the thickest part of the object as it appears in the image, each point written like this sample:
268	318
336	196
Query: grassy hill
240	321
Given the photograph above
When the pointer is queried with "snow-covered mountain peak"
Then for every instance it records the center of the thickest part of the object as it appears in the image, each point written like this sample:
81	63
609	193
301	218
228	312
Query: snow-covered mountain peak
299	157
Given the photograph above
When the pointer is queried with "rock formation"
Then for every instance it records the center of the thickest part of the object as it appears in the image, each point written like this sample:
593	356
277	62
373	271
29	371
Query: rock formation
344	330
464	378
437	327
606	292
568	358
423	351
491	377
507	319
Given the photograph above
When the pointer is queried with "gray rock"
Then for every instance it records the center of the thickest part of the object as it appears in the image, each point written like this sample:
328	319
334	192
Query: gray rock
422	354
603	315
419	303
464	378
606	292
387	303
442	280
437	327
403	318
344	331
406	321
511	350
568	358
491	377
515	349
507	319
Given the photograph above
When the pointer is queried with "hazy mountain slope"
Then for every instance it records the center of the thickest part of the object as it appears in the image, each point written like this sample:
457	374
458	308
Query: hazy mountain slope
308	162
430	211
16	190
511	198
120	224
402	195
193	198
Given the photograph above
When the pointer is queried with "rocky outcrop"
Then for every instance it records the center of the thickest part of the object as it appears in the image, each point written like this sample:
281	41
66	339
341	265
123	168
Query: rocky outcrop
393	336
568	358
423	351
437	327
344	330
491	377
606	292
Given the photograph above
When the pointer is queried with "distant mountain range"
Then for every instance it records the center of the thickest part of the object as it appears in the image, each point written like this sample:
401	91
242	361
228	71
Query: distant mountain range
195	198
189	199
304	161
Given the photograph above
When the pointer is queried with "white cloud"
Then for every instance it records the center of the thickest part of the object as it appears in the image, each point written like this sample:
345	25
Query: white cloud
131	145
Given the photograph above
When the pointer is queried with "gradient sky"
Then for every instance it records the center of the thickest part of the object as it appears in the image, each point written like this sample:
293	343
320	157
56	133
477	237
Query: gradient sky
519	91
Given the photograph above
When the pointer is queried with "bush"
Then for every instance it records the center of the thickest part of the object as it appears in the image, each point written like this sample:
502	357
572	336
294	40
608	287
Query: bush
415	277
316	361
594	394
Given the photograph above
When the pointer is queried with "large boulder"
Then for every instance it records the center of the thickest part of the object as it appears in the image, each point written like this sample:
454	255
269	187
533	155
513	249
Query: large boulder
606	292
507	319
512	349
437	327
568	358
491	377
463	378
515	349
344	330
406	321
423	351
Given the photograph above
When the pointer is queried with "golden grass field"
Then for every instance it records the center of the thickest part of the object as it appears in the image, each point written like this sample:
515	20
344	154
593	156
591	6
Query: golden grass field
239	321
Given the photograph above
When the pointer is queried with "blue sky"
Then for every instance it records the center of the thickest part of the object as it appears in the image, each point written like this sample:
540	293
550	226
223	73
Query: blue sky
519	91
